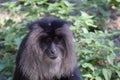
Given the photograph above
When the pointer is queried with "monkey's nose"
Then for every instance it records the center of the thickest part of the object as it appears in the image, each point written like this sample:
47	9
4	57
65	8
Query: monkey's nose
52	55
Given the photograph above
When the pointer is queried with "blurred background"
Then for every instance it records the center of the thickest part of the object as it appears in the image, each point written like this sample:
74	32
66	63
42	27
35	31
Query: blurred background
95	25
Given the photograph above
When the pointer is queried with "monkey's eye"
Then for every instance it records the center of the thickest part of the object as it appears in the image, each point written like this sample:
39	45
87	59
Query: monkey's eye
45	40
48	40
58	39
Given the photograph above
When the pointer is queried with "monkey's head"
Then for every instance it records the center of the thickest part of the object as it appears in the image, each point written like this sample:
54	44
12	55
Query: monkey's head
49	45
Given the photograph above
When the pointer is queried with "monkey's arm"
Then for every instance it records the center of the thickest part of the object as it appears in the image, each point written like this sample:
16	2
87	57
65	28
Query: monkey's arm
76	75
18	75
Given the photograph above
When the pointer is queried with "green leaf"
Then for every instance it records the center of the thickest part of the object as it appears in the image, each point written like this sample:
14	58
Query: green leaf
107	73
9	4
22	0
98	78
87	75
17	42
111	58
118	0
118	72
83	14
85	65
1	67
85	30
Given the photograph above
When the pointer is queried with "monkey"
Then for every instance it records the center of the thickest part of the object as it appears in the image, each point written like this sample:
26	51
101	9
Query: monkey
47	52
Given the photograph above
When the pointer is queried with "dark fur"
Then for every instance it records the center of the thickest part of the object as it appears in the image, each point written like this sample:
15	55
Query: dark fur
47	52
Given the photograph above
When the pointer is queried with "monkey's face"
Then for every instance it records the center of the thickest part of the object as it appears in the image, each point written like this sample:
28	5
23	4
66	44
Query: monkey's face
52	47
52	36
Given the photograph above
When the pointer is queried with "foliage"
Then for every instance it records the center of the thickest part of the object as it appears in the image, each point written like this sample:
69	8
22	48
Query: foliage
95	50
97	57
100	9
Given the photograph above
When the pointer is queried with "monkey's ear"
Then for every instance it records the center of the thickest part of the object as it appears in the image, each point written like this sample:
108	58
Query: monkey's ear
68	24
32	26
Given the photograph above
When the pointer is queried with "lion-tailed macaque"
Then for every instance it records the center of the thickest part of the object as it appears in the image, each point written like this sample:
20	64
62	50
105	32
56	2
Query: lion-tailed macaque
47	52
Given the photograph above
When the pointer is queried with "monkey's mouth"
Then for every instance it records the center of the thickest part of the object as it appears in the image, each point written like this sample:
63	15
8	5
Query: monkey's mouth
51	55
